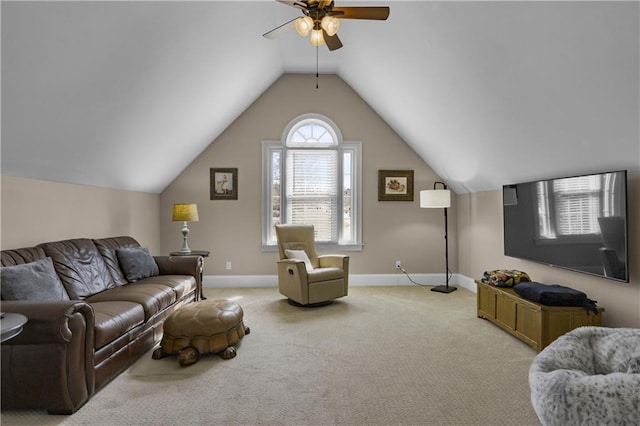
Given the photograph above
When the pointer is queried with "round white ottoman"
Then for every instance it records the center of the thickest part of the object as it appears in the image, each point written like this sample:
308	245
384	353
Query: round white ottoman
589	376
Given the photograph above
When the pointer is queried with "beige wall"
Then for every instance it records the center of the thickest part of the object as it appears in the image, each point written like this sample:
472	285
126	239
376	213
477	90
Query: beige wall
231	229
480	248
36	211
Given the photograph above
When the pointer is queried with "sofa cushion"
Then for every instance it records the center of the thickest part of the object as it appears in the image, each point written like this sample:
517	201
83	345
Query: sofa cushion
114	319
107	248
137	263
181	285
79	266
152	297
32	281
21	256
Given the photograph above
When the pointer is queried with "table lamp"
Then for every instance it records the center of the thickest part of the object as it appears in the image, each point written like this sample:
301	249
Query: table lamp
185	213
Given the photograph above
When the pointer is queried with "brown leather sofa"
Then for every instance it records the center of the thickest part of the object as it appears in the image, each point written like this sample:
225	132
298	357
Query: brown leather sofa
69	349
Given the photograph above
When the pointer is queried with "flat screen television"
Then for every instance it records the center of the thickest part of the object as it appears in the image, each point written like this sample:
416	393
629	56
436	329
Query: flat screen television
577	223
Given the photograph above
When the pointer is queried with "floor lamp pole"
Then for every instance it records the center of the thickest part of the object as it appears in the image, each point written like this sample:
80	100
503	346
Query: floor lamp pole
445	288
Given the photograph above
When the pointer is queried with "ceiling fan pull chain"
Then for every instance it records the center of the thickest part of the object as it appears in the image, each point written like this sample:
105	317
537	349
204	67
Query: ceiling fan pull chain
316	66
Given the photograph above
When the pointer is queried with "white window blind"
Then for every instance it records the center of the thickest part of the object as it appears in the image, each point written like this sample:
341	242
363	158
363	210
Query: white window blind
312	190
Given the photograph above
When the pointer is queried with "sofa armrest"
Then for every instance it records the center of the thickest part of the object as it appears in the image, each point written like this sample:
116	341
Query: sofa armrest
180	265
183	265
53	353
48	321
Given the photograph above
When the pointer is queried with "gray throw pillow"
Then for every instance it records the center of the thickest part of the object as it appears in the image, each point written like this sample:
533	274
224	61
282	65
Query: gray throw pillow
136	263
32	281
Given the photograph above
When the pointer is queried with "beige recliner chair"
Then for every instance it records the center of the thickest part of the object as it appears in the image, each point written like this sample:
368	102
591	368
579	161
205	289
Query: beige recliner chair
303	276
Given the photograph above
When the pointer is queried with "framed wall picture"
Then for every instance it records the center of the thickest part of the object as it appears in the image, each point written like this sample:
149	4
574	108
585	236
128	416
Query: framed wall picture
224	184
395	185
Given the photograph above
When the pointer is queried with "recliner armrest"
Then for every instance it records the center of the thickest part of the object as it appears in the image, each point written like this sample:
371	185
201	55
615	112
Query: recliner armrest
334	260
298	265
293	280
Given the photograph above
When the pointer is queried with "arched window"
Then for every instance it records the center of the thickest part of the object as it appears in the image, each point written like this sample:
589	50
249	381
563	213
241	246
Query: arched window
312	176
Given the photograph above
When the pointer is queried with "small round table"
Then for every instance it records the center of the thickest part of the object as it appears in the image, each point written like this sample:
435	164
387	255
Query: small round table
11	325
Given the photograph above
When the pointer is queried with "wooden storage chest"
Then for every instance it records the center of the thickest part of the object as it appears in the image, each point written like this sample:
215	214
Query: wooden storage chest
533	323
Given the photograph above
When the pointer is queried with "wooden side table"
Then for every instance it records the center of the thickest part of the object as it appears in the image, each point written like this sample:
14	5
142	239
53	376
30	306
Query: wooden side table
202	253
11	325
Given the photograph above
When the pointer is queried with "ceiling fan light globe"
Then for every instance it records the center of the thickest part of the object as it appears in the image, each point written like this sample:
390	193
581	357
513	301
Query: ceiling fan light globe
330	25
317	38
304	25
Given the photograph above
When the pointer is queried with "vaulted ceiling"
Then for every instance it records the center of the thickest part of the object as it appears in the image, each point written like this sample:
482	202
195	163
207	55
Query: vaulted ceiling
127	94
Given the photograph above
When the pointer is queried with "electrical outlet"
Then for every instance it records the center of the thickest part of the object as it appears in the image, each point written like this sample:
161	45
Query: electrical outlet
398	264
228	265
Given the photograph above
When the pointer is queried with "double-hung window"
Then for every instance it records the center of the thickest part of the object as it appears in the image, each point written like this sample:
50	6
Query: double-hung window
312	177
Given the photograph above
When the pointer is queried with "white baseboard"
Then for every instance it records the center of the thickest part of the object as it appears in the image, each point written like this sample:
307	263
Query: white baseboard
355	280
468	283
231	281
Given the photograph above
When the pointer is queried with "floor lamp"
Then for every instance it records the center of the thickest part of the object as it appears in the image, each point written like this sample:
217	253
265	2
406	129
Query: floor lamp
438	199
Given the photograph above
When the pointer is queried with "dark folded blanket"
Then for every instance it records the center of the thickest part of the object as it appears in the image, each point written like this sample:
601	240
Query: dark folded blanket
555	295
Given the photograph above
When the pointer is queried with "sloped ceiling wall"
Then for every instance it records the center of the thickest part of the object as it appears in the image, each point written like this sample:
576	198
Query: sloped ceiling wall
127	94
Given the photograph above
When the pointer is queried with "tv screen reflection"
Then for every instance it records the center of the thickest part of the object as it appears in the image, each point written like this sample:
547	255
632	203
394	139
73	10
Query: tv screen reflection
578	223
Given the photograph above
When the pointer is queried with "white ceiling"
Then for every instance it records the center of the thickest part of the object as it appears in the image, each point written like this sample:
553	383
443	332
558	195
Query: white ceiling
487	93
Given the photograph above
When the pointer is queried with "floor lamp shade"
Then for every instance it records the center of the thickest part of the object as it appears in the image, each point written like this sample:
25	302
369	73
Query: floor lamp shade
185	213
435	198
440	199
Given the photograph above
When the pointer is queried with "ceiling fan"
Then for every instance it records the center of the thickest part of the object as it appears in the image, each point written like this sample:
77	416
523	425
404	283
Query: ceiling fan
322	20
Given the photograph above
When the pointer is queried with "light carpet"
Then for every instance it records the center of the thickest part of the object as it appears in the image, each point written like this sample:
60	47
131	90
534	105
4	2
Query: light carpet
380	356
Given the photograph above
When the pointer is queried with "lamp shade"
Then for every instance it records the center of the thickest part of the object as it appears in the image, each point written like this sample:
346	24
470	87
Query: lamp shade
317	38
304	25
435	198
330	25
185	213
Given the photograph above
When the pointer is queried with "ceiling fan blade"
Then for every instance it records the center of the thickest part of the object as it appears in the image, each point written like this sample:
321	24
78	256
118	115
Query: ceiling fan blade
380	13
294	3
333	42
282	29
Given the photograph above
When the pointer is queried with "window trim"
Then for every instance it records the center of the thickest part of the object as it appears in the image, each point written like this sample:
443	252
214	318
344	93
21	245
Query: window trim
354	147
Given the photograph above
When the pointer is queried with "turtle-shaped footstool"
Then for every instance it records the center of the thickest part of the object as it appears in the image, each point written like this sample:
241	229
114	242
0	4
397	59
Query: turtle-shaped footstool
208	326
